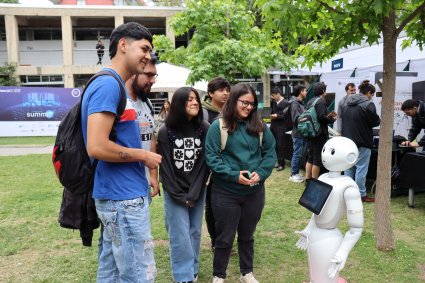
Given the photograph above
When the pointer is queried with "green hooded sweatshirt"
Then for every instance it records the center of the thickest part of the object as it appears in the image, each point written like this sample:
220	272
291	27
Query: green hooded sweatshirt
242	152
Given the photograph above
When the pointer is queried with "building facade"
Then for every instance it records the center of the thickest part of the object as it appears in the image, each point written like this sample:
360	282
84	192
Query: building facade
55	45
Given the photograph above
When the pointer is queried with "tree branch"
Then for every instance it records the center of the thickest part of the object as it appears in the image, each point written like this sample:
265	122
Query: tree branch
418	10
330	8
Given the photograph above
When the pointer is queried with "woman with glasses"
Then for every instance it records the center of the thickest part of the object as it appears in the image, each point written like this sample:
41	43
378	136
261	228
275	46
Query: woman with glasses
238	175
183	173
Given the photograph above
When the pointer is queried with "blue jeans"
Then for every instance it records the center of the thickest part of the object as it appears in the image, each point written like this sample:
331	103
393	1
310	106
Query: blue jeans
127	248
359	171
298	149
184	225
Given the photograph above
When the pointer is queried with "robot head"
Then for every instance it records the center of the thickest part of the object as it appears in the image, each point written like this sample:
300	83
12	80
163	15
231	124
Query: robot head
339	154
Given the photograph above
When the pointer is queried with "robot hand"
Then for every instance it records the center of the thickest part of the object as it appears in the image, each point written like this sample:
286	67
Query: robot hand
302	242
336	265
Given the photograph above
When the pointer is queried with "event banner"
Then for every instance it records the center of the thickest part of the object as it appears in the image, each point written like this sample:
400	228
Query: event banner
34	111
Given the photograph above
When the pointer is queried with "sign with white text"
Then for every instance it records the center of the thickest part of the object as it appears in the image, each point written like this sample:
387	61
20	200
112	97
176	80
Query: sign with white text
34	111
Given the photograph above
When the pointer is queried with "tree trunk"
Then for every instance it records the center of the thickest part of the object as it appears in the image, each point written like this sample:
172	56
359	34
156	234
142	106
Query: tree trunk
383	229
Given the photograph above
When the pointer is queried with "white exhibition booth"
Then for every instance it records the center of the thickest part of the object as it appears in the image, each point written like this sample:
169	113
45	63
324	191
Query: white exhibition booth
172	77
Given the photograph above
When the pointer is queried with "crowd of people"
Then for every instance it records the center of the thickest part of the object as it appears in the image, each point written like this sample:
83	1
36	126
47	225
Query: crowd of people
213	152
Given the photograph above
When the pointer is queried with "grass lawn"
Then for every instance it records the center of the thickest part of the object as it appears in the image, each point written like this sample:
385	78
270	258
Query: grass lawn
33	248
27	140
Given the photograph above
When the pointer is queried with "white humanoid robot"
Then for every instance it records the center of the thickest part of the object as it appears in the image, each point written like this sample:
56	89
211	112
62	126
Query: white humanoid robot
327	248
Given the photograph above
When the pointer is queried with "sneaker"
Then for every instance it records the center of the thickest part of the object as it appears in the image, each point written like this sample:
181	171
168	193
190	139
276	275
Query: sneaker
368	199
297	178
217	280
248	278
195	279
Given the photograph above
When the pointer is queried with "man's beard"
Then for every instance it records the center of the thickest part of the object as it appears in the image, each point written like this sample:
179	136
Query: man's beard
140	92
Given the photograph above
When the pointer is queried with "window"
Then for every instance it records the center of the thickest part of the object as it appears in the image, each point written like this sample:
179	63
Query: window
91	34
45	80
40	34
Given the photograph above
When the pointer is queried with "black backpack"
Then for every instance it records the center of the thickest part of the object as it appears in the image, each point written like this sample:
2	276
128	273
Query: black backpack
70	159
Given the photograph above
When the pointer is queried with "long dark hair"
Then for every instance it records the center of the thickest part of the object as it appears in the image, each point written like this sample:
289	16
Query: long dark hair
177	116
163	113
254	124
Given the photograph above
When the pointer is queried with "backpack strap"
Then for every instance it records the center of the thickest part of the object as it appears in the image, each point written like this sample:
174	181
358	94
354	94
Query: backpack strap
205	114
223	134
314	103
120	109
149	103
121	105
260	135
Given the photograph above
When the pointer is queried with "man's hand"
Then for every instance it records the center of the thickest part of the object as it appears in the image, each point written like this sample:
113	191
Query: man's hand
152	160
410	143
153	182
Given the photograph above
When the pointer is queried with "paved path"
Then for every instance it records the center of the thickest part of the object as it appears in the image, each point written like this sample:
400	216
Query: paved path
13	150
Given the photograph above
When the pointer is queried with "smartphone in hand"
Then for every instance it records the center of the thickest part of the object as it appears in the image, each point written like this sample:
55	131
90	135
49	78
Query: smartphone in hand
247	175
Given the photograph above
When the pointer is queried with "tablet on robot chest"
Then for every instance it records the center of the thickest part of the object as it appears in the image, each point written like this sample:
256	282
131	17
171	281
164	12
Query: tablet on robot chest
315	196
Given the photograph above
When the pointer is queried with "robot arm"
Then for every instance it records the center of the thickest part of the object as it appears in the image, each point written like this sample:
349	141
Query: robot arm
355	220
302	243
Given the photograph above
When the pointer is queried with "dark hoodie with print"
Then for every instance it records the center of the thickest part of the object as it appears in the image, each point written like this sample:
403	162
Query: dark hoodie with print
359	117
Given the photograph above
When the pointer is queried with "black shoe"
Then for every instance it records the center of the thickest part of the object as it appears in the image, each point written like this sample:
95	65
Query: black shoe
280	168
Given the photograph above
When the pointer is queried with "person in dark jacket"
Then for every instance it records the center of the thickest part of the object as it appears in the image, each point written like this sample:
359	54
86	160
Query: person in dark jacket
277	126
100	49
416	110
359	117
238	174
350	89
315	145
212	103
183	174
298	142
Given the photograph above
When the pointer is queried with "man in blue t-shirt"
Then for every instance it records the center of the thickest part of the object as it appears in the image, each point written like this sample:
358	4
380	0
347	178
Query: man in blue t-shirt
120	186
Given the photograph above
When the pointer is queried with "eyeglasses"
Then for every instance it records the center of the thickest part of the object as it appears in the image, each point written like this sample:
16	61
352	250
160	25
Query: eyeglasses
150	75
247	103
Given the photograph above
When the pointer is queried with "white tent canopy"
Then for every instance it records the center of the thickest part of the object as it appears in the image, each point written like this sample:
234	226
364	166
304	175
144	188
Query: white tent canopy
171	77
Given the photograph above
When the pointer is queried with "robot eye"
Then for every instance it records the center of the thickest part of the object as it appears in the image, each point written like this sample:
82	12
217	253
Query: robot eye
332	151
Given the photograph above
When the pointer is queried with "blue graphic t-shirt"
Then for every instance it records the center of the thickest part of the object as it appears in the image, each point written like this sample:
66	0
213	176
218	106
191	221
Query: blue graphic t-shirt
115	181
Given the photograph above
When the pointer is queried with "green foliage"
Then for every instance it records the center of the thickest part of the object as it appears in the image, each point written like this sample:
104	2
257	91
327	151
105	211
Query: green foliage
167	52
33	248
226	41
7	75
326	26
10	1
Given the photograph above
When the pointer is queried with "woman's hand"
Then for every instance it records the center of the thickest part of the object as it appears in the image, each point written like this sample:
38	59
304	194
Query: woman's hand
255	178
